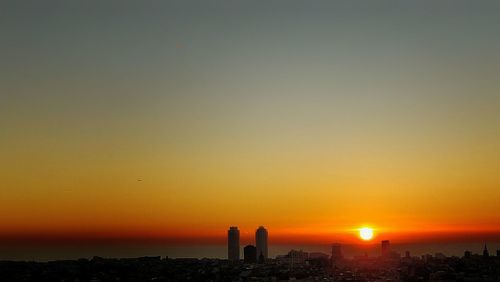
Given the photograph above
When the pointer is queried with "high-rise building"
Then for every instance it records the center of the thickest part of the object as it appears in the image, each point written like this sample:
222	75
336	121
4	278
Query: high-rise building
250	254
297	257
233	244
337	256
336	252
386	248
485	252
261	243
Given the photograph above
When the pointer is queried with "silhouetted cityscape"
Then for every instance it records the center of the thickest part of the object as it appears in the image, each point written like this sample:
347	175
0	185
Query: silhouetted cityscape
296	265
268	140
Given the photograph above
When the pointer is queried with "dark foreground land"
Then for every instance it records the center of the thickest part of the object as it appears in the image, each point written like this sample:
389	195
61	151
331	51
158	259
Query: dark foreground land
425	268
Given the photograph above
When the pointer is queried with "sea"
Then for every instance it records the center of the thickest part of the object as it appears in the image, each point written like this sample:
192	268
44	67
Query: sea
44	253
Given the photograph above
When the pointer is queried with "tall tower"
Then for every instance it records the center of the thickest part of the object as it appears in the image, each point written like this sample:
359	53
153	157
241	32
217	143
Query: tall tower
485	252
233	244
337	256
336	252
261	243
386	248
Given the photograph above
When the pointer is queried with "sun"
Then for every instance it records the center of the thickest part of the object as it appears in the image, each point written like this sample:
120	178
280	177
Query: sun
366	233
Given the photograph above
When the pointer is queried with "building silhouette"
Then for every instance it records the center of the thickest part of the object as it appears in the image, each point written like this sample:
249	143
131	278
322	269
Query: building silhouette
261	243
233	244
386	248
485	252
250	254
297	257
337	256
336	252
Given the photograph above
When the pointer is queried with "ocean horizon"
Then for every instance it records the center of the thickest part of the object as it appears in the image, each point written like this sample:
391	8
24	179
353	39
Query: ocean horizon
43	253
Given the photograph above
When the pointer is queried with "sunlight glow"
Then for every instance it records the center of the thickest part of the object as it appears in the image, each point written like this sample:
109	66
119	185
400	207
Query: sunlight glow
366	233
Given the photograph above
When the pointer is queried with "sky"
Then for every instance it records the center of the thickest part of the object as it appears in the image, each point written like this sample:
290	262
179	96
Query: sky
173	120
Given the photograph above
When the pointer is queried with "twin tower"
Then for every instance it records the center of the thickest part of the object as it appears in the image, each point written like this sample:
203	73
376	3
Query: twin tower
252	254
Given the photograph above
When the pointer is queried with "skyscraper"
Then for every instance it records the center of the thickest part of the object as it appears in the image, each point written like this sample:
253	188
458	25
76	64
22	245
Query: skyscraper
485	252
261	243
233	244
250	254
386	248
337	256
336	252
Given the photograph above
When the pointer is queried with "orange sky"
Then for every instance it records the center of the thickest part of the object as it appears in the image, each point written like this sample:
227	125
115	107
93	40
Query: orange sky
173	122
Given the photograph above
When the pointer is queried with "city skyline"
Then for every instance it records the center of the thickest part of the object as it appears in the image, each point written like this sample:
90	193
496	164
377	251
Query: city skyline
295	265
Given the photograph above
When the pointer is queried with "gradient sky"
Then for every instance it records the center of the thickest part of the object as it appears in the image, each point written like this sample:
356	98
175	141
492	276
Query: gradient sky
309	117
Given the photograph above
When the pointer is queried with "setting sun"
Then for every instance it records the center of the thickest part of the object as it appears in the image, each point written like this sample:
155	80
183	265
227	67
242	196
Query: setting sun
366	233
